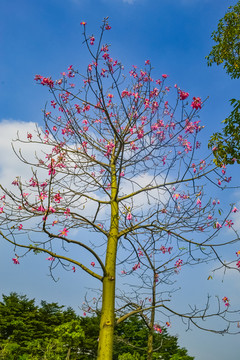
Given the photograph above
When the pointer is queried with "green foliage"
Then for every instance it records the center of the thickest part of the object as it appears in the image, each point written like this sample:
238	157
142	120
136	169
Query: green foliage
30	332
227	39
48	332
226	144
131	338
128	356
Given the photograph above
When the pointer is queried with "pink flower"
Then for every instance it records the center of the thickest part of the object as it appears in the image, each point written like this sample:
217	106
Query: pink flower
234	210
67	212
136	266
197	103
199	202
129	216
20	227
73	269
163	249
92	39
64	232
57	198
238	264
1	210
226	301
157	328
108	187
83	23
50	258
15	260
238	252
217	225
133	146
29	136
53	104
164	76
178	263
107	27
168	323
183	95
140	253
93	263
15	182
229	223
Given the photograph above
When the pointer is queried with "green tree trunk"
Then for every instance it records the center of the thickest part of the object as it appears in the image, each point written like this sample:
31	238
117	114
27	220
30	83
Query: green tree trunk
152	320
106	333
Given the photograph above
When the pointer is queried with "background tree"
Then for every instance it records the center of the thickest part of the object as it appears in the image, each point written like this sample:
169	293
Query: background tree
26	329
118	160
226	52
27	333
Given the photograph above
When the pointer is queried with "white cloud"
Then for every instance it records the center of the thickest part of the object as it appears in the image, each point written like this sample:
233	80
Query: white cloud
10	165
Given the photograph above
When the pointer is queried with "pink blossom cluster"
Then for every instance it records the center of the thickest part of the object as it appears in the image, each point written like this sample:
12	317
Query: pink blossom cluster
164	250
178	263
191	127
226	301
15	260
136	266
110	146
157	328
196	103
44	81
183	95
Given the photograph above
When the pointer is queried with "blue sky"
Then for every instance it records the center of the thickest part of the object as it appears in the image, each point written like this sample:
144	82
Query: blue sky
45	37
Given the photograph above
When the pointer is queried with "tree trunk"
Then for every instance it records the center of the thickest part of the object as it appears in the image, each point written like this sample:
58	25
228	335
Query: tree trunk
68	353
150	345
105	346
152	320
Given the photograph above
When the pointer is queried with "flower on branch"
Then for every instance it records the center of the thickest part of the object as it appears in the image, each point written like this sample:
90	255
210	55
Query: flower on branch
129	216
64	232
229	223
226	301
50	258
136	266
183	95
157	328
197	103
15	260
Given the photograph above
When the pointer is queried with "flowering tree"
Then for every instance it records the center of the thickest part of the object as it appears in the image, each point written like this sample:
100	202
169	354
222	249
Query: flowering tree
120	161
